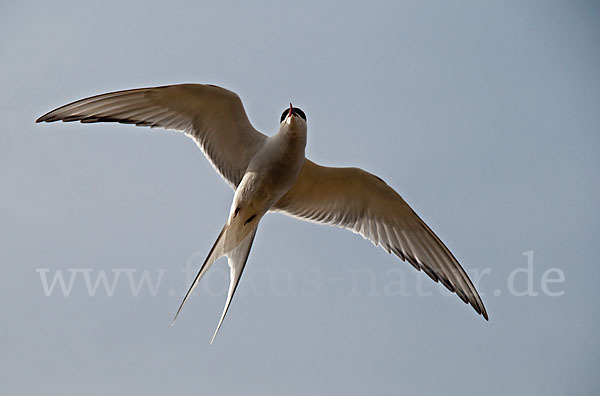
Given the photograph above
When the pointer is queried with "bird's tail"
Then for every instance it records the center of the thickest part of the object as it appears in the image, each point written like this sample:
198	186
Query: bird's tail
237	257
215	252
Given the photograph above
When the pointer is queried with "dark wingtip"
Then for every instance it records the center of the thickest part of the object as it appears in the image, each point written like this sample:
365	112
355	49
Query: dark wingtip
45	118
485	315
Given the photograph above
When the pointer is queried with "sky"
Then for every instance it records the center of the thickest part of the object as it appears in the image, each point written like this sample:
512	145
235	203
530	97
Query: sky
483	115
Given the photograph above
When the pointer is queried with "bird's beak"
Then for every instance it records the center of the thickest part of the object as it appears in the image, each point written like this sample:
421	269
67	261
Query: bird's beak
291	113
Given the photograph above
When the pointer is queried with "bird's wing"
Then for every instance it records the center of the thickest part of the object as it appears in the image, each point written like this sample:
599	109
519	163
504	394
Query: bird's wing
365	204
213	116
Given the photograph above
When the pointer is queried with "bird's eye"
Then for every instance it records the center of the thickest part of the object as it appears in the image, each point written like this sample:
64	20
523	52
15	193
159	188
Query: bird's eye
297	111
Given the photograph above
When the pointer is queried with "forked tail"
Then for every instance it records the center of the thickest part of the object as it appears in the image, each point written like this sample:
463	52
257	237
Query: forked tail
236	258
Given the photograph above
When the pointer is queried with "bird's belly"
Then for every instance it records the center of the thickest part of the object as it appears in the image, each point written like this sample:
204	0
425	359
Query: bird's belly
271	182
273	172
270	174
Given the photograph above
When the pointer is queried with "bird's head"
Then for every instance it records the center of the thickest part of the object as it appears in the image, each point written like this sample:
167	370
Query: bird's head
294	118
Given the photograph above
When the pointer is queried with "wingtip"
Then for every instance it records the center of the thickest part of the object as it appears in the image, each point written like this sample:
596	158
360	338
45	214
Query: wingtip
485	315
482	310
45	118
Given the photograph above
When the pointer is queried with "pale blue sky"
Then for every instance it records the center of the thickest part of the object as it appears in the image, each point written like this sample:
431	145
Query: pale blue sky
483	115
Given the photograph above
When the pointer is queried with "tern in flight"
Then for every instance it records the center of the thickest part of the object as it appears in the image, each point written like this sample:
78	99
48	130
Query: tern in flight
271	173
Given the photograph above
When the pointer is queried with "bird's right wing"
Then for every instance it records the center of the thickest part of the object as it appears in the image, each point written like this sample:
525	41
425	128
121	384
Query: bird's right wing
213	116
363	203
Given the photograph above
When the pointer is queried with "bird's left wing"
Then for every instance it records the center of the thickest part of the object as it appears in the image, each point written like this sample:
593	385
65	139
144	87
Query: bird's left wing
362	202
213	116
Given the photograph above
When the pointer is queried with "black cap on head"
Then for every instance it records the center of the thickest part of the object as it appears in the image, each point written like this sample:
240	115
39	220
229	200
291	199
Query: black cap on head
295	111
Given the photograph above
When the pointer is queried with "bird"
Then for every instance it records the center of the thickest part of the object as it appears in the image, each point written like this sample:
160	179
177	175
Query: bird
272	174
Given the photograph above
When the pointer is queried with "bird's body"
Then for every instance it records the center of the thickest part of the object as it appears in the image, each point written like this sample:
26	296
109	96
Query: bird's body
273	170
272	174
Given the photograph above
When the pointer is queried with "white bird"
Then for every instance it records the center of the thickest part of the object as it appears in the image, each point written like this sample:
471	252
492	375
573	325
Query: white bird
271	173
